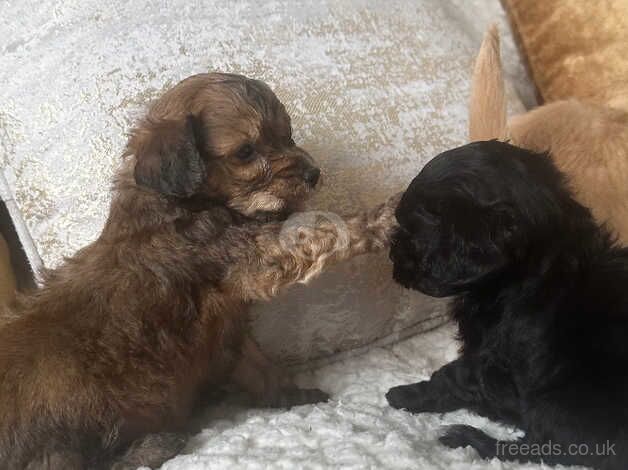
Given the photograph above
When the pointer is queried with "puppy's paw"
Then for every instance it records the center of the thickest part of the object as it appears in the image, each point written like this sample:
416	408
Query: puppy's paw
394	201
402	397
462	435
151	451
65	459
294	396
386	213
381	223
421	397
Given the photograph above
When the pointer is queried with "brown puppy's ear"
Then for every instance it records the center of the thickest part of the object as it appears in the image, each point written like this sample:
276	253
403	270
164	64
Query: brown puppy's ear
168	155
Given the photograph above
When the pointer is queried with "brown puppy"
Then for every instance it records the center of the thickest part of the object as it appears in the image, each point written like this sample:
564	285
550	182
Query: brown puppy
588	142
112	352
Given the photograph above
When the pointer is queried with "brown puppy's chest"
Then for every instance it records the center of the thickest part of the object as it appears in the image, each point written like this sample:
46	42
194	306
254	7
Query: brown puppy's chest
127	381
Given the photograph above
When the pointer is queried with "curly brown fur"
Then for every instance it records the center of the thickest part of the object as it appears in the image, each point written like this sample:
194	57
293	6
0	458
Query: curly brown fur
588	142
105	361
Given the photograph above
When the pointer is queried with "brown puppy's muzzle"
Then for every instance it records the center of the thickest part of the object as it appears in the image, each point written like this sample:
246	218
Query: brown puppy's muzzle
311	176
306	168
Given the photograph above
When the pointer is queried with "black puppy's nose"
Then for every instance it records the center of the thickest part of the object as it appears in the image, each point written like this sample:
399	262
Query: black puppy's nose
311	176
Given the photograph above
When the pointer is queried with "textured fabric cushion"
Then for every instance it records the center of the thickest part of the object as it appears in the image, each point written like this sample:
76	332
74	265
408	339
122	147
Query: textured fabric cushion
375	90
575	48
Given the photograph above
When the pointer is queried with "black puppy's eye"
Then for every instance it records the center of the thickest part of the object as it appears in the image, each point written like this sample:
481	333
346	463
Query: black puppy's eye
245	153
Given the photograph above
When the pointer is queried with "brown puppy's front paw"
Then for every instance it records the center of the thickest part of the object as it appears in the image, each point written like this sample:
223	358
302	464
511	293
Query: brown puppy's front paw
382	222
294	396
394	200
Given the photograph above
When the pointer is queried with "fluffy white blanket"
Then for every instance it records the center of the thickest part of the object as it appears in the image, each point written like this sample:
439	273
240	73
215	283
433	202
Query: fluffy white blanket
355	430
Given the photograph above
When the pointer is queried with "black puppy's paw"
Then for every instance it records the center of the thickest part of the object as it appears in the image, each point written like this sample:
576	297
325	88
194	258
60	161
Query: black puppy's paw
399	397
414	397
462	435
422	397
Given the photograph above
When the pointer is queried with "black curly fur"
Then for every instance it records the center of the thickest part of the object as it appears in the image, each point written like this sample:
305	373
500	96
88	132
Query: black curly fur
541	304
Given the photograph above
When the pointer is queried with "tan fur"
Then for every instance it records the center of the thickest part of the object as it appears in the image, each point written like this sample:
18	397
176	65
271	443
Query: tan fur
588	142
103	364
487	92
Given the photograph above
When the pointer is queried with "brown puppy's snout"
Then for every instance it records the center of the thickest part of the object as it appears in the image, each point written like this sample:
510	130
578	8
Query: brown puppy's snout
307	167
311	175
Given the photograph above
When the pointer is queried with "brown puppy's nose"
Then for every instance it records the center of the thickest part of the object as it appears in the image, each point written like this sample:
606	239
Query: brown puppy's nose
311	176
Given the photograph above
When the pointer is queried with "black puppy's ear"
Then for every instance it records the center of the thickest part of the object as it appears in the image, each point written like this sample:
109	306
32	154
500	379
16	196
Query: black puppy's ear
169	156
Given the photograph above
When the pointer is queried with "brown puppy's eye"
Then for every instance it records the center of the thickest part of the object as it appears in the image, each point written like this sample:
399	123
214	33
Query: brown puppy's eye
246	153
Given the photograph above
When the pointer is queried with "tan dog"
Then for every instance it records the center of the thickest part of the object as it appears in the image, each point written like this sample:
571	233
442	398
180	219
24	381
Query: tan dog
588	142
102	366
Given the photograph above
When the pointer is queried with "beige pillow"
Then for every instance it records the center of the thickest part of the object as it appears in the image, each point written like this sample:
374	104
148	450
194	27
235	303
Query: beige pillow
575	48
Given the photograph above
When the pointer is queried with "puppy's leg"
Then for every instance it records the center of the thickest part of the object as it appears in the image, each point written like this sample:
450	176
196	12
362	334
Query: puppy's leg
521	450
568	427
57	459
302	247
151	451
267	384
462	435
450	388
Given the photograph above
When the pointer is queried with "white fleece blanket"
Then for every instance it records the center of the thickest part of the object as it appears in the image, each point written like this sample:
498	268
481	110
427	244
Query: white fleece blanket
355	430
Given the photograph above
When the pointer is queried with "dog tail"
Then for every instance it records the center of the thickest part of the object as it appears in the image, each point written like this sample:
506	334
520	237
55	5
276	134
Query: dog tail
487	108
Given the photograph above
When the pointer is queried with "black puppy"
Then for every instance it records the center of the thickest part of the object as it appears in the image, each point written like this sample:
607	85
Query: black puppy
541	305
